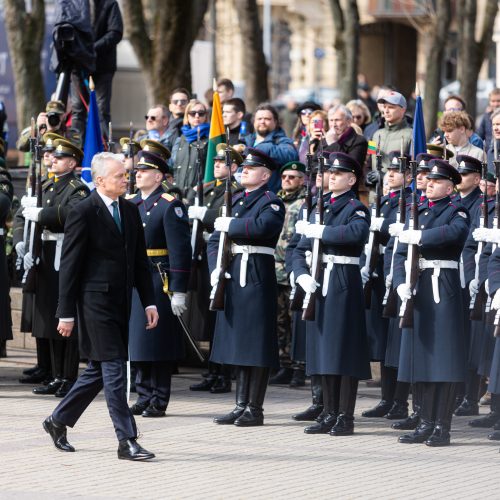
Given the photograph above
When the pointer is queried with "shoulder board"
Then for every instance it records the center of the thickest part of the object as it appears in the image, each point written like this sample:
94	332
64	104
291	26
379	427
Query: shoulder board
208	184
168	197
130	196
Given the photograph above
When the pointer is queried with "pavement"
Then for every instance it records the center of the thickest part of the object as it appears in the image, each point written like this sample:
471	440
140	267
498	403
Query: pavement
199	459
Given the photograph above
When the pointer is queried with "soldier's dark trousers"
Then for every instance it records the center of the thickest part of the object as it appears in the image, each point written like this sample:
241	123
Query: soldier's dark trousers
472	383
438	400
43	359
64	357
339	394
388	381
153	383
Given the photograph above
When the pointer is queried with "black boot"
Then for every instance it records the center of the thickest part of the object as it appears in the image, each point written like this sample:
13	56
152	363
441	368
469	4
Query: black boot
345	422
221	385
283	377
254	412
411	422
426	394
205	385
313	412
493	416
343	427
38	376
331	385
381	410
398	411
298	378
242	396
467	408
445	405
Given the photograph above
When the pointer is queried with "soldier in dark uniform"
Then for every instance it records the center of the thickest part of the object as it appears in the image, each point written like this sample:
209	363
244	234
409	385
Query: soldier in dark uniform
433	352
126	144
219	376
245	332
60	195
166	228
337	346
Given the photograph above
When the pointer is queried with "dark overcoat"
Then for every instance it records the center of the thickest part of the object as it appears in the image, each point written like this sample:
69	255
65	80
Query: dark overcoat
494	286
5	312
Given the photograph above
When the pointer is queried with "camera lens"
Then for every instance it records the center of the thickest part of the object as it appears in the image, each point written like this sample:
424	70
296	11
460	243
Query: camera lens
53	119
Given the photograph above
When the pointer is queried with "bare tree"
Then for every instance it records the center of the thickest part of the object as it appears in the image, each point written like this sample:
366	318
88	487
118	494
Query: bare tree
346	43
162	35
25	32
471	53
257	90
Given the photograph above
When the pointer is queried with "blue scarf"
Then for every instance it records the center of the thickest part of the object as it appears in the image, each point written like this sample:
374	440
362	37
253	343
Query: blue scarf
191	134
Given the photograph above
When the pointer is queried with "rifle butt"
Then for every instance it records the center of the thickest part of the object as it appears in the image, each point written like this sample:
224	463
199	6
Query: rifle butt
217	303
367	291
391	306
406	320
298	299
476	313
309	312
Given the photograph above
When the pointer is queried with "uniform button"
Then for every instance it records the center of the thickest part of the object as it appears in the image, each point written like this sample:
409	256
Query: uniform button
143	224
147	213
327	210
422	226
241	203
51	189
48	201
208	205
426	213
154	205
236	215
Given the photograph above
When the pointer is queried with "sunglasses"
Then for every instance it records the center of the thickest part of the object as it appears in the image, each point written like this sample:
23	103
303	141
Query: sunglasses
199	113
306	111
357	117
289	176
152	118
179	102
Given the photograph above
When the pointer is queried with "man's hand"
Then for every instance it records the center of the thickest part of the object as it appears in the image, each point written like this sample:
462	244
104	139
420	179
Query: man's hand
410	236
65	328
151	317
404	291
396	228
28	261
365	275
32	213
474	287
20	249
307	283
314	231
28	201
300	226
495	303
376	223
197	212
178	303
222	224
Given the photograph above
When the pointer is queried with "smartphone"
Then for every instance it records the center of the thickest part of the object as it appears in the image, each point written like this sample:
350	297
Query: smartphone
318	123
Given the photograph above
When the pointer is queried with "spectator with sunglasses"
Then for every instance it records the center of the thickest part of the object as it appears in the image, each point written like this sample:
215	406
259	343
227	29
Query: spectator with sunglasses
194	135
179	99
157	121
361	115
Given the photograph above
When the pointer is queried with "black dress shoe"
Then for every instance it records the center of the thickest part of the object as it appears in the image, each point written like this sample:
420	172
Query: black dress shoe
221	385
205	385
494	436
467	409
31	371
420	435
487	421
309	415
399	411
323	426
38	376
129	449
138	408
440	436
153	411
58	434
298	379
231	417
50	389
343	427
378	411
283	377
408	424
251	417
64	388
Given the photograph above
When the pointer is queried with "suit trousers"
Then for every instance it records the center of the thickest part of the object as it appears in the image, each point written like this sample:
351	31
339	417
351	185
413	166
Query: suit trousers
110	375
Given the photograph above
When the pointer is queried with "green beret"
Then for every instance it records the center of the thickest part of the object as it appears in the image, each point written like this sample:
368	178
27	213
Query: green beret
293	165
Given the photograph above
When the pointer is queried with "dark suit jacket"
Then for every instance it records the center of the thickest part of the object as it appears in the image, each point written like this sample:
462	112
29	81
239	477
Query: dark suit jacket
99	268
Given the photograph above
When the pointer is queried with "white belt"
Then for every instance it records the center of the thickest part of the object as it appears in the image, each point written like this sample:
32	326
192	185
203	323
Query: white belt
381	249
462	272
437	265
246	250
329	260
58	238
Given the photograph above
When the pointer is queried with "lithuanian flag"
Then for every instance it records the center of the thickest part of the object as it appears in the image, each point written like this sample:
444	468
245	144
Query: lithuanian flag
217	135
372	148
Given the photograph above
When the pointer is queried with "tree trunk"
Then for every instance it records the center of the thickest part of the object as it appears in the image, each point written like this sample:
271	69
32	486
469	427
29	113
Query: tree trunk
256	90
472	53
163	42
435	58
25	32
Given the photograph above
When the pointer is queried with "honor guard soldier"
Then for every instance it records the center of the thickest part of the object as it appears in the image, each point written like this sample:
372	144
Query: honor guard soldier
130	156
219	376
60	194
245	331
337	346
154	352
433	351
163	152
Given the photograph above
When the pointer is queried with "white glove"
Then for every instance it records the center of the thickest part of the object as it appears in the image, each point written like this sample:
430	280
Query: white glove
28	201
495	303
195	212
32	213
314	231
365	274
214	276
28	261
301	225
20	250
291	277
376	223
222	224
309	257
404	291
481	234
307	283
388	280
178	303
396	228
487	286
474	287
410	236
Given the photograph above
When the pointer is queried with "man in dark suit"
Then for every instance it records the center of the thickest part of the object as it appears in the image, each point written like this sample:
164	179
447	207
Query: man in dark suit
103	258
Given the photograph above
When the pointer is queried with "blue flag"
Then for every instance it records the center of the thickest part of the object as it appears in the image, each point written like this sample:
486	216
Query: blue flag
419	137
93	140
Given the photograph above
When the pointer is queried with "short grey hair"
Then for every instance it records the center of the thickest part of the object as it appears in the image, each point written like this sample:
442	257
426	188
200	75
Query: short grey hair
495	114
344	109
100	161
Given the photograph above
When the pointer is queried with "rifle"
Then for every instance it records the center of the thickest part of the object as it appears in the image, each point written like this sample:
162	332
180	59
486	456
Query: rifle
411	265
297	294
496	225
309	304
29	278
390	300
373	250
131	153
478	301
197	234
224	254
111	144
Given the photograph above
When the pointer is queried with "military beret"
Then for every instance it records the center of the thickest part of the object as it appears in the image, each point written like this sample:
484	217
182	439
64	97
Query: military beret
55	107
155	147
468	164
293	165
344	163
441	169
221	154
437	150
63	147
394	159
256	158
125	142
149	160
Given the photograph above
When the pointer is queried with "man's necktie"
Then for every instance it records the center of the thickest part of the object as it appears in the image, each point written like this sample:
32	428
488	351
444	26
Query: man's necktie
116	215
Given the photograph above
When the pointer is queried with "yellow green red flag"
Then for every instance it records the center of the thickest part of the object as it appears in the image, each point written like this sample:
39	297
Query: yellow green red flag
372	148
217	136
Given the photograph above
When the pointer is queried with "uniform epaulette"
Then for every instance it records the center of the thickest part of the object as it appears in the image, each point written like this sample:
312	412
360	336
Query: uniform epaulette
130	196
168	197
207	184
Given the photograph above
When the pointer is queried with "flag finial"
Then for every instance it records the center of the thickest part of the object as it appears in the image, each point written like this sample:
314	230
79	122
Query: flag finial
214	85
417	89
91	84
